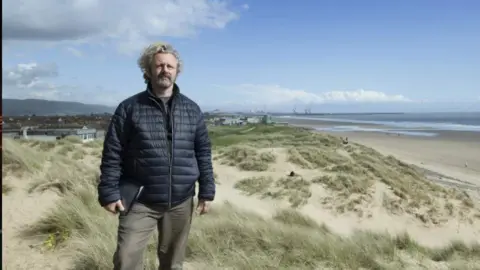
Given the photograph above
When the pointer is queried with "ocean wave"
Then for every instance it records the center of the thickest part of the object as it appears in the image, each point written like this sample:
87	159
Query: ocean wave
379	130
397	124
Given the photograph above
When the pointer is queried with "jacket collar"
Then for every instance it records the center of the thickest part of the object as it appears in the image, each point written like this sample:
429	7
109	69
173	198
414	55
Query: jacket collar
176	90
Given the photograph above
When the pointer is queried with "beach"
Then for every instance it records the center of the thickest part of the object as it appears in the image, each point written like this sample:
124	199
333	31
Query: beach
452	153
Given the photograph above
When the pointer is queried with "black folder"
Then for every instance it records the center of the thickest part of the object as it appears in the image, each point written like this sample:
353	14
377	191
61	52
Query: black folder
130	192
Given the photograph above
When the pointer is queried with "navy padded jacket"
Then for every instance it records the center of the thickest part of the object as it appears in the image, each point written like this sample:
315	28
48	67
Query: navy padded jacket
136	149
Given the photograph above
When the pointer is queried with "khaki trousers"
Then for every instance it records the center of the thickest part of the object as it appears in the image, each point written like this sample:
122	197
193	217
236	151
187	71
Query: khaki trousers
136	228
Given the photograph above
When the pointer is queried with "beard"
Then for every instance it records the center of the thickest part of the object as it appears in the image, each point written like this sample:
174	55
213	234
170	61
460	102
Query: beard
164	81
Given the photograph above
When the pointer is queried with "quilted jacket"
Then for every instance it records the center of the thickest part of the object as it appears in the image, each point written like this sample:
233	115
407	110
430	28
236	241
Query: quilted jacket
165	152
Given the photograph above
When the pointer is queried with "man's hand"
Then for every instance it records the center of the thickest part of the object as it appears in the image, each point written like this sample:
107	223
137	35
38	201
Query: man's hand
203	207
115	207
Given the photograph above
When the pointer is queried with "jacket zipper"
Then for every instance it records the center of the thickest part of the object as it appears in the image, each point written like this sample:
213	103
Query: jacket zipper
171	123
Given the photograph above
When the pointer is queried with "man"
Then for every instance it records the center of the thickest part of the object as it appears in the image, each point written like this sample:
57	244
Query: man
157	139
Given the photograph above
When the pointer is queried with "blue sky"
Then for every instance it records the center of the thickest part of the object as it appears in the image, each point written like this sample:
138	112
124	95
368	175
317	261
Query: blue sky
265	54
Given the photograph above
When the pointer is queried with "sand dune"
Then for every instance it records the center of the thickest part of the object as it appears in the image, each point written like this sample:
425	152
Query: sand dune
373	216
456	158
337	190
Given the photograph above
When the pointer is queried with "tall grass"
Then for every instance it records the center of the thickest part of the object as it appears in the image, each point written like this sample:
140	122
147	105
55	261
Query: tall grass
18	158
229	238
246	158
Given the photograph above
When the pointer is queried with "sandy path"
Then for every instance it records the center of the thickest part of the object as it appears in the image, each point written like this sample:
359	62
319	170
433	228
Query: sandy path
19	209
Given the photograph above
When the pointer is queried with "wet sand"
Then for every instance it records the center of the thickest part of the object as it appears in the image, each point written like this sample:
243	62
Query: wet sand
315	123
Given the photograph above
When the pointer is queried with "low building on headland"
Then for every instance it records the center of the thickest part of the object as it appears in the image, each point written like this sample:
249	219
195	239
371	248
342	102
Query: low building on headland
85	134
230	120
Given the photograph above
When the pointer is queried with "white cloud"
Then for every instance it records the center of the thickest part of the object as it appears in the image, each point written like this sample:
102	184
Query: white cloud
31	80
35	80
276	95
28	75
128	24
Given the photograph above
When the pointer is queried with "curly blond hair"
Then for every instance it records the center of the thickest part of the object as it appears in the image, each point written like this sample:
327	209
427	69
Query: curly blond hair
148	54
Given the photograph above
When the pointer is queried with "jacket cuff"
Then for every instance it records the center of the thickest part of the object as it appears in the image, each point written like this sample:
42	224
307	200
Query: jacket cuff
108	200
206	197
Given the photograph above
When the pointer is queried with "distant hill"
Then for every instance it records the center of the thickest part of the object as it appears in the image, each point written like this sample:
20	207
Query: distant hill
18	107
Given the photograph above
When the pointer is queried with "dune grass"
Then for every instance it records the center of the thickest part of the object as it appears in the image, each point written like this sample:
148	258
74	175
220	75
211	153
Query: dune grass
349	171
95	144
229	238
295	189
47	145
315	158
63	176
51	168
18	158
79	154
246	158
70	140
254	185
67	148
294	218
6	188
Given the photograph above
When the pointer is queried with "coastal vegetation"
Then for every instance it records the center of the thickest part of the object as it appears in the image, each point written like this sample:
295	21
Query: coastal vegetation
293	166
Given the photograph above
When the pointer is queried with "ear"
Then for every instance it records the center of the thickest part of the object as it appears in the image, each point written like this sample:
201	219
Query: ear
146	77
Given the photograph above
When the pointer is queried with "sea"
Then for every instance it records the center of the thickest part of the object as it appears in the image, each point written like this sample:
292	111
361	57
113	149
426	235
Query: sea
415	124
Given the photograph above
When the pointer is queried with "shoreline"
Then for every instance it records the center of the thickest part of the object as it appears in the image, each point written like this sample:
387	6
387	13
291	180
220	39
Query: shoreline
452	156
382	128
449	158
343	129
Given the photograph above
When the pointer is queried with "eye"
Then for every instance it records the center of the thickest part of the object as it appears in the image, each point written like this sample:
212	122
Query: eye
166	66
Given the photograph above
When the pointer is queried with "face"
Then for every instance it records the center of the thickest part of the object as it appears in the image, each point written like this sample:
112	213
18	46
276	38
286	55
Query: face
164	70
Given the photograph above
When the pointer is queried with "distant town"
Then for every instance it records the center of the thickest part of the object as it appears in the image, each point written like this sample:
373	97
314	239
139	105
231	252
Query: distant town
85	127
93	126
